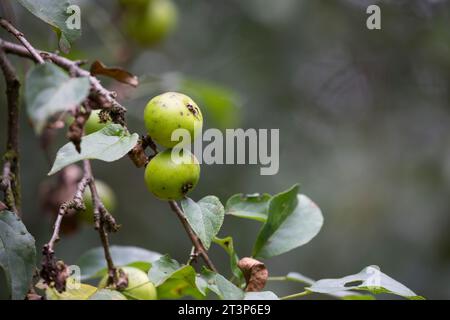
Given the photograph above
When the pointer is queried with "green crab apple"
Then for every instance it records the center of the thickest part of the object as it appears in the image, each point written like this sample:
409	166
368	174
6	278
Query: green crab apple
171	111
139	286
172	180
107	196
148	22
92	124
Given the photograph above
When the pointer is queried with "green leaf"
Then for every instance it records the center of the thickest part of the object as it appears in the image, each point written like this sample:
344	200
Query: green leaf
228	246
162	269
108	144
74	291
141	265
177	288
227	290
369	279
50	90
173	280
205	217
54	13
252	206
93	265
224	289
221	103
297	277
345	295
107	294
206	281
293	220
263	295
17	254
352	295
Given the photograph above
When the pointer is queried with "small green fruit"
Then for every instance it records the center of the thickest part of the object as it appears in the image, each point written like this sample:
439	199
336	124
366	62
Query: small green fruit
93	124
150	23
139	286
107	196
169	180
170	111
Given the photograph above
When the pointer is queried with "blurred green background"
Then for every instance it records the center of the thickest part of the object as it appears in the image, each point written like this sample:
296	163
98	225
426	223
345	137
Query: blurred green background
363	116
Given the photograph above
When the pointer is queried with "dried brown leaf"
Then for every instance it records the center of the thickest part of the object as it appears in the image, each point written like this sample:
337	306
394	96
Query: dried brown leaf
138	156
119	74
255	274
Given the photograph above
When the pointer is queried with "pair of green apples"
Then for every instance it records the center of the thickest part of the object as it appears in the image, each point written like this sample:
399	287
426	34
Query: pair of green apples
172	174
167	178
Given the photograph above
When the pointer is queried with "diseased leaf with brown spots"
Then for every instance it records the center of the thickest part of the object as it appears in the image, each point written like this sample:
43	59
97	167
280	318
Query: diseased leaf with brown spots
119	74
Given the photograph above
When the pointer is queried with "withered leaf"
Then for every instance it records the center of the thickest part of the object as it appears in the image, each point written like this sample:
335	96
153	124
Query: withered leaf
255	274
119	74
138	156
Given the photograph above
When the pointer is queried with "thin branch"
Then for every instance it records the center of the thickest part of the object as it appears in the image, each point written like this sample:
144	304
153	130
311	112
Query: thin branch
148	141
296	295
11	176
54	272
193	256
76	203
7	188
20	36
138	155
291	279
104	223
280	278
12	92
200	249
106	99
